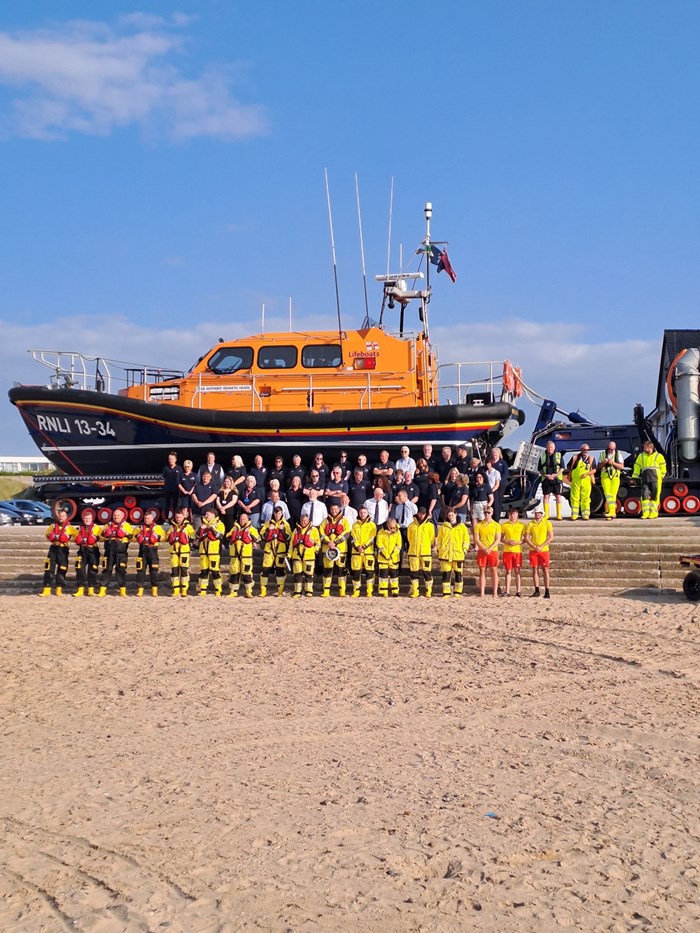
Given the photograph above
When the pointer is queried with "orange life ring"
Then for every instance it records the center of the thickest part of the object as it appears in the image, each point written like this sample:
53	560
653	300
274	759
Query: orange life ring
508	377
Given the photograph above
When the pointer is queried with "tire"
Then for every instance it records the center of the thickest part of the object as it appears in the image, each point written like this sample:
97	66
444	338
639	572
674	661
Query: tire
136	515
632	506
691	586
70	504
671	505
104	514
129	501
691	504
597	500
680	490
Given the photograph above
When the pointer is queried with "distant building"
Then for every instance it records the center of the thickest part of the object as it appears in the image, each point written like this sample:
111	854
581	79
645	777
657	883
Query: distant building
36	464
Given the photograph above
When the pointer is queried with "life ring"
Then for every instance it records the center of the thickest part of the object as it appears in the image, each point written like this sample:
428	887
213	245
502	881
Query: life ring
632	505
518	377
104	515
671	505
669	382
136	515
680	489
508	377
691	504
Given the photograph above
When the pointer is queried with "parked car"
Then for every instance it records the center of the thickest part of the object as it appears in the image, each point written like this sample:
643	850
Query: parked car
40	509
25	517
8	518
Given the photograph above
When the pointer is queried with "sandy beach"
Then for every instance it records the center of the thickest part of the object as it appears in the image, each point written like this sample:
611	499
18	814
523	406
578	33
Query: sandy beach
350	765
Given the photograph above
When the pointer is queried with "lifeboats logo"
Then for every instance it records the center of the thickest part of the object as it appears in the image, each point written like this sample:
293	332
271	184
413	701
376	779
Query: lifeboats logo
371	350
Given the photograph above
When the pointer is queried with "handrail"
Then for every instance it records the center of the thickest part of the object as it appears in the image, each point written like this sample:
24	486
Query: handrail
492	384
70	371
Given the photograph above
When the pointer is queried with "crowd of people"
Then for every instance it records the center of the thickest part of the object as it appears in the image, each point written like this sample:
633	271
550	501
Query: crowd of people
350	524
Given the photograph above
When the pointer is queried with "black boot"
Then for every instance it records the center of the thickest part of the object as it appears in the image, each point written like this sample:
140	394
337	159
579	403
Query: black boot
536	593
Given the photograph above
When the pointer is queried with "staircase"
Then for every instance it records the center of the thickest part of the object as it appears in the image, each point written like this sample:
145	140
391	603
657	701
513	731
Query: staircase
588	558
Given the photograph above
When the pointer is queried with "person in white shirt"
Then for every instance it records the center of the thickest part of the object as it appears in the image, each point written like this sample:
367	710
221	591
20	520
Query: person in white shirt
406	462
378	507
273	502
348	511
314	508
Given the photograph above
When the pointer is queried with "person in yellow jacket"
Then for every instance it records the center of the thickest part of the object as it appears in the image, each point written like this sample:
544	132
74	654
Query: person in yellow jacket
211	534
59	535
512	534
650	466
582	471
180	538
116	535
421	538
538	536
87	561
275	535
487	537
362	559
452	548
148	537
303	549
388	547
244	539
335	535
610	465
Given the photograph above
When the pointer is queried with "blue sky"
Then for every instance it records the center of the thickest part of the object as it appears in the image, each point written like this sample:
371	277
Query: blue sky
164	176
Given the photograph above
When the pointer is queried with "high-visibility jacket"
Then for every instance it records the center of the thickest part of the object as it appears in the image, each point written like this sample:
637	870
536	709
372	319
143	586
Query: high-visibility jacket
180	538
546	467
275	536
305	543
61	534
421	537
242	540
209	536
388	545
364	535
452	541
336	532
652	461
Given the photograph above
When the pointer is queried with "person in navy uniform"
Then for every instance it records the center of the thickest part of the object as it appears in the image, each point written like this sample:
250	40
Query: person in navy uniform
260	472
172	476
384	467
278	472
360	489
214	469
203	495
297	469
321	468
186	486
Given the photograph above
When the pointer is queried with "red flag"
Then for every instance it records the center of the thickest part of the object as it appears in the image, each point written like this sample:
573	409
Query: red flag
447	266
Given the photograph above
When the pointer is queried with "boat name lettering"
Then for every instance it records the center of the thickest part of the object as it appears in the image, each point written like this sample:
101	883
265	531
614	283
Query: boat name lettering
225	389
57	424
363	354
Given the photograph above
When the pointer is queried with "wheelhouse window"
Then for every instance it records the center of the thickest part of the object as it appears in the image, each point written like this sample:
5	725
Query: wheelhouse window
277	357
230	360
320	356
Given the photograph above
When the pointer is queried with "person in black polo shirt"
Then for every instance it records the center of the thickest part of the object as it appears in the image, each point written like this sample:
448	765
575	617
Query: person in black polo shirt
313	481
384	467
214	469
336	484
361	464
462	460
360	489
445	463
321	468
296	469
345	466
278	472
172	474
259	471
203	495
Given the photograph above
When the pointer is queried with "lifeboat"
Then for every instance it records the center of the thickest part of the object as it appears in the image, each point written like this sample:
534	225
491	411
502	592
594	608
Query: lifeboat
284	392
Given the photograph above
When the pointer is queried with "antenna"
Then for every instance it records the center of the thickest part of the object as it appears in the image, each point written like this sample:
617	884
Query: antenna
290	314
335	268
262	319
365	322
391	208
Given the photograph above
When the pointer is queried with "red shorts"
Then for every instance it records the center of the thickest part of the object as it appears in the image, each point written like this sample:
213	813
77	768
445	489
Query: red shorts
512	560
539	558
484	559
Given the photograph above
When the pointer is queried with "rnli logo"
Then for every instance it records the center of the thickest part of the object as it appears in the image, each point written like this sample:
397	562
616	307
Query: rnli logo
372	345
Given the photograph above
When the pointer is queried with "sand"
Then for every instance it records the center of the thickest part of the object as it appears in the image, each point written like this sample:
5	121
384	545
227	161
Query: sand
213	764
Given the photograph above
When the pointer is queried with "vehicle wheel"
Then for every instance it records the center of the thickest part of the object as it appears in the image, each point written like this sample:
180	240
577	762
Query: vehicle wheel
597	500
691	504
129	501
691	586
671	505
104	515
680	490
632	506
136	515
70	504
